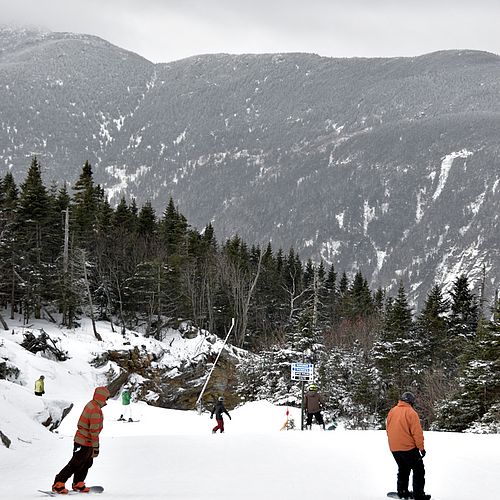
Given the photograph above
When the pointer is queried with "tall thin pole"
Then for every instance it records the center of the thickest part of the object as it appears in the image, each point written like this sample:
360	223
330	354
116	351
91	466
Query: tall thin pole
66	240
199	400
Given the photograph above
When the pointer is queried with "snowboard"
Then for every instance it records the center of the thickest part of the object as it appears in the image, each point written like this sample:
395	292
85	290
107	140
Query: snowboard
394	494
93	489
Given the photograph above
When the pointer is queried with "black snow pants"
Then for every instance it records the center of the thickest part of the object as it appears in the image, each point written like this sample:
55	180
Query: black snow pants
78	466
318	417
410	461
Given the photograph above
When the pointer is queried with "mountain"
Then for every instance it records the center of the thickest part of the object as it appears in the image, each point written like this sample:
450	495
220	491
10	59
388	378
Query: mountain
390	166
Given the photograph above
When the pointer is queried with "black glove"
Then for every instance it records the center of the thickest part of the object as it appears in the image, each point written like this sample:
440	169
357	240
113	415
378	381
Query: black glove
229	417
422	453
211	416
95	452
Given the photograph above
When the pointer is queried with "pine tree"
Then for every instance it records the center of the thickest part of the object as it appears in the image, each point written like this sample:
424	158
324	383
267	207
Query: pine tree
9	244
463	319
33	222
432	329
395	351
84	209
475	405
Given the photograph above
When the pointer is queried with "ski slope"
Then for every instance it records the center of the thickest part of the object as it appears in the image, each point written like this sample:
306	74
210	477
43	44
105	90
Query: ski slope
170	454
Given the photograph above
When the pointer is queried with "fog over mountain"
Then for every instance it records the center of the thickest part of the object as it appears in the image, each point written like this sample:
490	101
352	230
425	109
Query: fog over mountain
390	166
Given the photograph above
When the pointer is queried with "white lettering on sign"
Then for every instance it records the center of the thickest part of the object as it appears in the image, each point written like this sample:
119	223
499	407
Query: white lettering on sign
302	371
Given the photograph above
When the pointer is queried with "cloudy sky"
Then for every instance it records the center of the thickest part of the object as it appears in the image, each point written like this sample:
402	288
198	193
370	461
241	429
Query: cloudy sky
166	30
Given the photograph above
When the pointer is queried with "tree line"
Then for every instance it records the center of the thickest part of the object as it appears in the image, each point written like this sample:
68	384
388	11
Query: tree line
65	253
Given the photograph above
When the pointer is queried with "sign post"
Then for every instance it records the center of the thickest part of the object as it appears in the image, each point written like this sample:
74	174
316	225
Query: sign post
305	373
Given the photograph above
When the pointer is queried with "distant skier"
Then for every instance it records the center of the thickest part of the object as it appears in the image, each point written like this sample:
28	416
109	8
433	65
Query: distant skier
127	407
406	442
40	386
219	409
313	404
86	444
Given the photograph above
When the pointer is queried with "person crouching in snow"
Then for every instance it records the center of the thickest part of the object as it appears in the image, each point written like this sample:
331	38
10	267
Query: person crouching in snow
127	407
40	386
219	409
85	446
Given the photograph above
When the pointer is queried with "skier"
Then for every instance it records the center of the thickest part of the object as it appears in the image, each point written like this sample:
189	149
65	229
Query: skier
86	444
313	405
219	409
406	442
127	407
40	386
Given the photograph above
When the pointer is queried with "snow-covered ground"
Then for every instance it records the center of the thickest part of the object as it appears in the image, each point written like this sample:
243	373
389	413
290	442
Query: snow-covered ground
173	454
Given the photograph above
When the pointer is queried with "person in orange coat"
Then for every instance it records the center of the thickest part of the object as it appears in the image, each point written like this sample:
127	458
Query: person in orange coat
86	444
406	442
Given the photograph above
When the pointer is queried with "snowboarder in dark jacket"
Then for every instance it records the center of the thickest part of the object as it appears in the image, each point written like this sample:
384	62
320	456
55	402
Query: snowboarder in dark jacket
313	404
219	409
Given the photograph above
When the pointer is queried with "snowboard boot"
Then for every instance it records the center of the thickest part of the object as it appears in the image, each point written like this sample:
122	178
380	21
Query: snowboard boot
80	487
423	496
121	418
59	487
405	494
130	420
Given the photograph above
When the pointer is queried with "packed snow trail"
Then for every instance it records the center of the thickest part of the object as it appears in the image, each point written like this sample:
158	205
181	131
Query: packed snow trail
172	454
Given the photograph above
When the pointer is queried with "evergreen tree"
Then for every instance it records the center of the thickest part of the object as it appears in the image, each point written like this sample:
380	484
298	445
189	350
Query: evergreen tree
32	233
432	329
395	351
476	403
463	318
85	204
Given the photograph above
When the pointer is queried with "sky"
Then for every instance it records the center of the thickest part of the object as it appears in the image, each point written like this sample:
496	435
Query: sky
167	30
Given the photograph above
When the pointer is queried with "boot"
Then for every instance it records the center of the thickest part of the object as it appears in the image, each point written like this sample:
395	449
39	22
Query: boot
405	494
59	487
130	420
121	418
80	487
423	496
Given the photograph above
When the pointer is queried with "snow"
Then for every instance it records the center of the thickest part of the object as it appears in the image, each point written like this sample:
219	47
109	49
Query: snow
172	454
368	216
124	179
340	219
445	169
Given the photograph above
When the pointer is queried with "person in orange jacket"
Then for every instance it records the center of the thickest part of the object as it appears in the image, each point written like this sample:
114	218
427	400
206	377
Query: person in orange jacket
86	444
406	442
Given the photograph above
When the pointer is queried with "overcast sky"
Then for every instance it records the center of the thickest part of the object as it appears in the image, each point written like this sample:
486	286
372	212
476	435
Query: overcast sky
166	30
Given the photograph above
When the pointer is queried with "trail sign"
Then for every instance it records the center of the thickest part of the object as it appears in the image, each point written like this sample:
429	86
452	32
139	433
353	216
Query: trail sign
303	371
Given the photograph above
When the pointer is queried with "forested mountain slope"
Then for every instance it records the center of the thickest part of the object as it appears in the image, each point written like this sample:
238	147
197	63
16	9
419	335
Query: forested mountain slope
390	166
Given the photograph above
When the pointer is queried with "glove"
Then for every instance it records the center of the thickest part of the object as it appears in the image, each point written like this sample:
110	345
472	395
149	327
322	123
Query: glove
422	453
229	417
211	416
95	452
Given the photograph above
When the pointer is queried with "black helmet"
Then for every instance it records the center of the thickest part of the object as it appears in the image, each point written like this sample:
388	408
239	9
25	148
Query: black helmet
221	398
408	397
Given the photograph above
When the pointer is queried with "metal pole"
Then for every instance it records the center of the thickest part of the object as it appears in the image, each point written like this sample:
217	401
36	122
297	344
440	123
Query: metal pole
66	241
302	409
198	401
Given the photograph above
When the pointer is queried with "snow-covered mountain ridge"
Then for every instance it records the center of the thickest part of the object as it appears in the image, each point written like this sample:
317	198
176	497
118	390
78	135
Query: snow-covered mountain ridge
390	166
